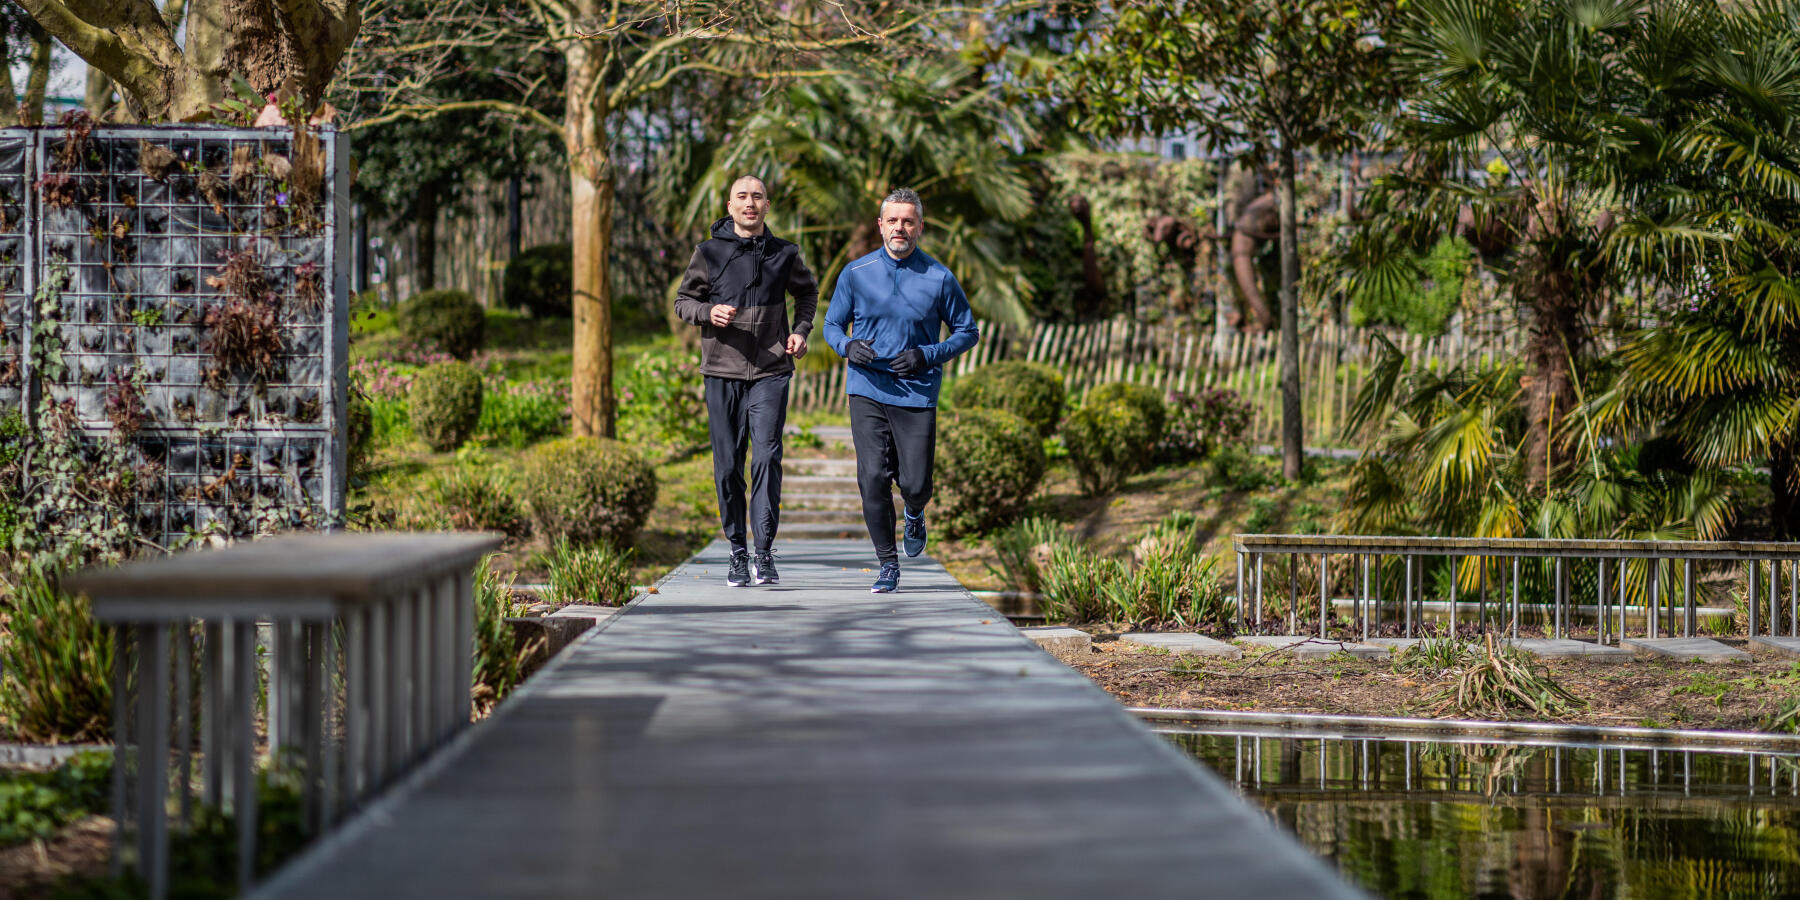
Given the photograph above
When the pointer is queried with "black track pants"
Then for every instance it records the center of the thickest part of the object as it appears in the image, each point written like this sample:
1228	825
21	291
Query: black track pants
740	413
893	444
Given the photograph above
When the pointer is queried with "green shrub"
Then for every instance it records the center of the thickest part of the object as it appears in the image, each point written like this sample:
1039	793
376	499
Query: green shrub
445	404
518	414
1239	470
1108	442
662	401
1023	550
33	805
1032	391
450	321
57	661
588	490
478	498
1076	582
1144	398
1201	423
497	662
989	464
541	280
597	573
1170	588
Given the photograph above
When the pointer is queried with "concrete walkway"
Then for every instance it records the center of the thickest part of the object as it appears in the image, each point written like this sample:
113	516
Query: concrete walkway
809	740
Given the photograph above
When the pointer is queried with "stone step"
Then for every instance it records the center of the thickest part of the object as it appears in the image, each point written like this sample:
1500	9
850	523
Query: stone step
1182	642
826	433
818	483
820	531
798	515
1703	649
1309	647
818	500
841	468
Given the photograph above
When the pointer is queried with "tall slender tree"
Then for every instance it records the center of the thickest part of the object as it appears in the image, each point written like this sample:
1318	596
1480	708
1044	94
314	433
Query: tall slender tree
1263	78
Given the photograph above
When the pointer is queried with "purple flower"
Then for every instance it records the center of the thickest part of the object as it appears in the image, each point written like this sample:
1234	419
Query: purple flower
281	199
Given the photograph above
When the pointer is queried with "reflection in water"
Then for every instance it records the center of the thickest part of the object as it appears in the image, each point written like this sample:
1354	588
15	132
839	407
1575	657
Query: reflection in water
1425	819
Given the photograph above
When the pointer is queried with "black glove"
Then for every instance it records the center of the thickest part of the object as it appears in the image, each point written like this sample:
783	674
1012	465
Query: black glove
909	363
860	352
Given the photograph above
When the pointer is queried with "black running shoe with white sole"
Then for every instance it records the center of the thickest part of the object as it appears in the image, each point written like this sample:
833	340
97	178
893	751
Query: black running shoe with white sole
762	568
739	573
915	533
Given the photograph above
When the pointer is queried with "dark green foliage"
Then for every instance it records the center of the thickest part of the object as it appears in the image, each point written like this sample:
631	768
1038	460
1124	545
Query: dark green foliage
57	662
1423	303
360	418
479	498
1110	437
496	660
445	404
597	573
989	464
541	280
1032	391
450	321
588	490
33	805
1204	422
1145	398
1076	583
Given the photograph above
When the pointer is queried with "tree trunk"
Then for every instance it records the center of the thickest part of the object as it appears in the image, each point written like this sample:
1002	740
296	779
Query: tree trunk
1551	293
97	98
1292	425
31	112
425	239
9	111
591	192
1784	485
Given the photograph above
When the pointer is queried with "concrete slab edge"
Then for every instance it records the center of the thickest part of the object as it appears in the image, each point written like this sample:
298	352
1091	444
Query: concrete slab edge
1467	731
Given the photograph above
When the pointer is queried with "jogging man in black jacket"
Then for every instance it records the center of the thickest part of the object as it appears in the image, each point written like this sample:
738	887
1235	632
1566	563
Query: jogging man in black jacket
736	290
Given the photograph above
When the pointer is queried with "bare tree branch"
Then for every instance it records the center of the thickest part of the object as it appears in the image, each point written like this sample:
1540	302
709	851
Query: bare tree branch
427	111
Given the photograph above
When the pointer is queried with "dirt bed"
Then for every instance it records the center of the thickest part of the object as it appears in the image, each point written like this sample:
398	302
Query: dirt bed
1645	691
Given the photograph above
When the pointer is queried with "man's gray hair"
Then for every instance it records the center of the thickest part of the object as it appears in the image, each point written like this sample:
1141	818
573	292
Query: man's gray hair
905	195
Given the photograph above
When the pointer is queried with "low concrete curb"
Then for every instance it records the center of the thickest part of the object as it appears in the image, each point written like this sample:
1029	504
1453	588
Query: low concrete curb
1788	645
1702	649
1304	647
1057	638
1566	648
1180	642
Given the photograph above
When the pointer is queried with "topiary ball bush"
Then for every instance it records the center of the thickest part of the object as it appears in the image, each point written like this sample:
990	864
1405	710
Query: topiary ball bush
450	321
1108	442
989	463
1147	399
541	280
445	404
587	489
1032	391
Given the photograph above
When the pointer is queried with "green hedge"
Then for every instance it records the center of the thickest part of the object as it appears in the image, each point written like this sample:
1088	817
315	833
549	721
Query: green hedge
541	280
1108	442
1032	391
445	404
1146	399
587	490
450	321
989	463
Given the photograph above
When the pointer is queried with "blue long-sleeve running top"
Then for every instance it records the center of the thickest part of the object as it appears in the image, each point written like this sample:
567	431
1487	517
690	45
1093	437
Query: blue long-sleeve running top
896	305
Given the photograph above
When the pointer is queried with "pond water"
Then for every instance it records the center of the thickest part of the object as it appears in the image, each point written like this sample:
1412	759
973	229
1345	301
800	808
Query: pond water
1407	818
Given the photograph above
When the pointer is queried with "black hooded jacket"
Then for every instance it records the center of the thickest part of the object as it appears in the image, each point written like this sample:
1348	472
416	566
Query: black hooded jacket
755	275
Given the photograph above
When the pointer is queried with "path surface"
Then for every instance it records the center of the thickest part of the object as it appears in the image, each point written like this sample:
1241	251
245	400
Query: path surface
809	740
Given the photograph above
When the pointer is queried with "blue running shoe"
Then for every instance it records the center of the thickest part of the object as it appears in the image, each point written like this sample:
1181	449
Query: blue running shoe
915	534
888	580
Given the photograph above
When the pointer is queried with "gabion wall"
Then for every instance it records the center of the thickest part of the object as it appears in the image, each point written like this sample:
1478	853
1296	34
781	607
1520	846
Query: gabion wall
205	303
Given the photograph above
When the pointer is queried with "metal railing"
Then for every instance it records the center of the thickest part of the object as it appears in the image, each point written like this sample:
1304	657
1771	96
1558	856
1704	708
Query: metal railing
1656	580
351	653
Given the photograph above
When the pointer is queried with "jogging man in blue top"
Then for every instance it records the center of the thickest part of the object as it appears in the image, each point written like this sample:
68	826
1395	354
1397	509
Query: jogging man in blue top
885	317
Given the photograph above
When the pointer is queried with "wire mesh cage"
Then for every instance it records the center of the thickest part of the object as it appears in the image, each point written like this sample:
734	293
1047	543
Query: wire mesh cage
200	285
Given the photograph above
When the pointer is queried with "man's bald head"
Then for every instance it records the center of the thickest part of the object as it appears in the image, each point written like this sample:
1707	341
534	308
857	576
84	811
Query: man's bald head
748	205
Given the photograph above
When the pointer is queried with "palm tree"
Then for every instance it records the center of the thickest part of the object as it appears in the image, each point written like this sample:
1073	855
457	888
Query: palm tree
1720	369
830	148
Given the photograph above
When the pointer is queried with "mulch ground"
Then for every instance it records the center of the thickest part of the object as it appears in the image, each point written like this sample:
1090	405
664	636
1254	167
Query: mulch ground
1645	691
33	869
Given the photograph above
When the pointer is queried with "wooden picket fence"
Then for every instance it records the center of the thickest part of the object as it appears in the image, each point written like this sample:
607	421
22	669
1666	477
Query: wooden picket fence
1334	361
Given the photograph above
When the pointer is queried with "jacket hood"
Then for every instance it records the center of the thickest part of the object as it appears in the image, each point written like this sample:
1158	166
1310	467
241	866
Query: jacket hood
723	230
